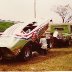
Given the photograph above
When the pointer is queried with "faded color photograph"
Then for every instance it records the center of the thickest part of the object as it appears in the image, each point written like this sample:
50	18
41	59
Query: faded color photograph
35	35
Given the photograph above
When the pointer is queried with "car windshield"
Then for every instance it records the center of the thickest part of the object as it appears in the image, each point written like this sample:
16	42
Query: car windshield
59	28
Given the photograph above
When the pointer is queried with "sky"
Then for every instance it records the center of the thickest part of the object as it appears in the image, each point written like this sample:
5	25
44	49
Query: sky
20	10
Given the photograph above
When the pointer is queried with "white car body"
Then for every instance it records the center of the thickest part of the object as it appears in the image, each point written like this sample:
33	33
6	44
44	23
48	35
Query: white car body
13	39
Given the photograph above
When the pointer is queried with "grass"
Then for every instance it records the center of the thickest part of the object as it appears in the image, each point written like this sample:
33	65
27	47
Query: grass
57	59
5	25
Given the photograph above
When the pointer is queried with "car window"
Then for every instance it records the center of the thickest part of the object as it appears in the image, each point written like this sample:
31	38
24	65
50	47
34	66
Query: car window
30	27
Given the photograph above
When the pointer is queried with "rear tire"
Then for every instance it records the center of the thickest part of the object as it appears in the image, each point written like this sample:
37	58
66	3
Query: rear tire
1	58
1	55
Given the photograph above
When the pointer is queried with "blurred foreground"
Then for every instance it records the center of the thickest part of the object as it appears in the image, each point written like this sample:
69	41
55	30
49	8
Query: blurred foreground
57	59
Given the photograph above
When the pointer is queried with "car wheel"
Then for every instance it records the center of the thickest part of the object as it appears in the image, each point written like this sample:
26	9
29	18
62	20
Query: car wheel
26	53
1	56
51	45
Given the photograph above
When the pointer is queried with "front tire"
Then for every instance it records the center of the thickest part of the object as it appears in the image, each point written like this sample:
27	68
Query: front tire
0	55
26	53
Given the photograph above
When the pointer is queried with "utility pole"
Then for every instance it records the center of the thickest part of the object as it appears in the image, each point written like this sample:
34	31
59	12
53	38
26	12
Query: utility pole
34	8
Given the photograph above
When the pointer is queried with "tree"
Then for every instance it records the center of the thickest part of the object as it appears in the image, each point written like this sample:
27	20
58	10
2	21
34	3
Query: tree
65	12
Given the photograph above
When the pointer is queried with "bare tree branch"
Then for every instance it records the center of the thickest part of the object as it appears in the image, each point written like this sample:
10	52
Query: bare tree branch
65	12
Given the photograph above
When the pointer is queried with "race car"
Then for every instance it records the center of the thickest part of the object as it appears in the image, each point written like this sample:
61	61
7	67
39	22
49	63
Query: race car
13	41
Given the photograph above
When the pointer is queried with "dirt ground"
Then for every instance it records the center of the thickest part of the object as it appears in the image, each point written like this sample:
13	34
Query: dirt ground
57	59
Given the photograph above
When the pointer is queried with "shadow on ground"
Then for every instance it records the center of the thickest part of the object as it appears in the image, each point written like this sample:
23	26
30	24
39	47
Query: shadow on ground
55	52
